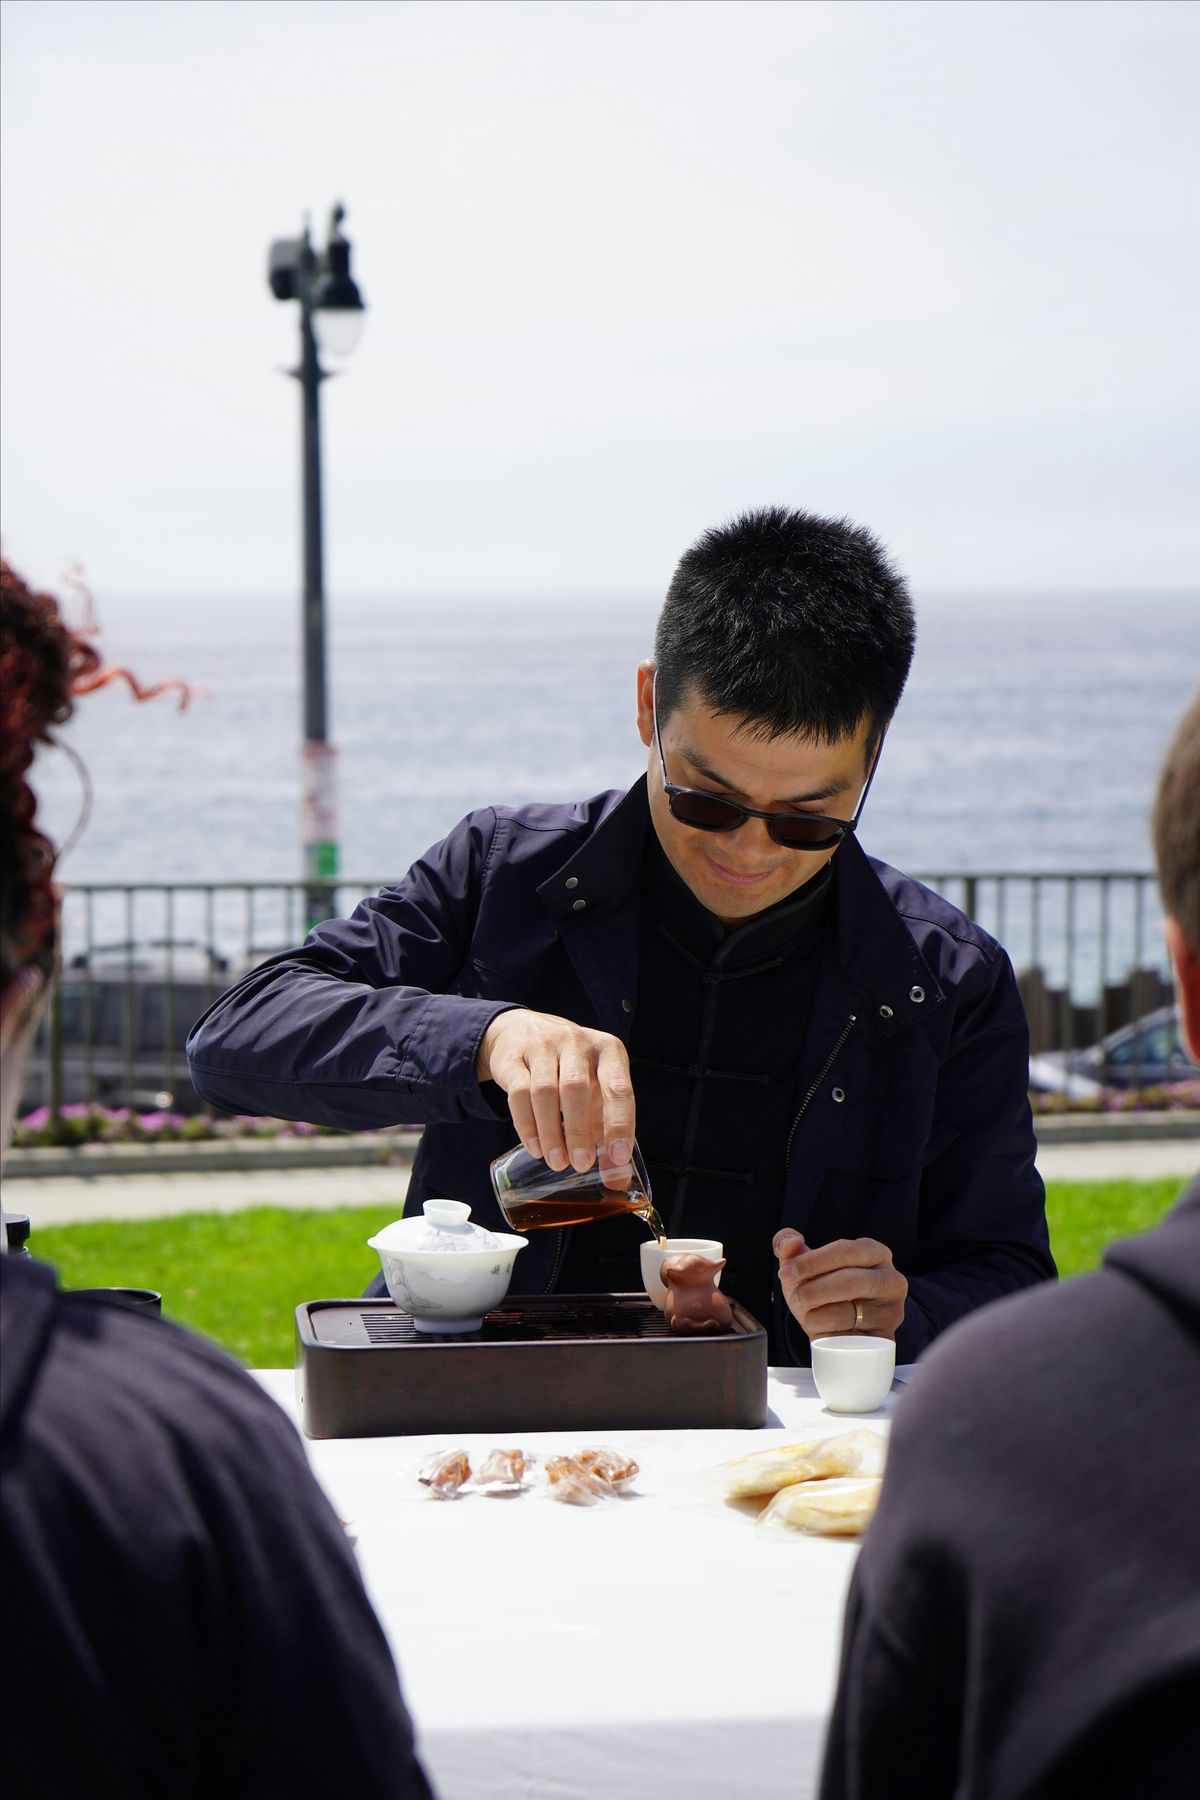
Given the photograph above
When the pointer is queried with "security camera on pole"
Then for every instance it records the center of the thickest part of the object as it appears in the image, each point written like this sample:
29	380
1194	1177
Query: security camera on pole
331	314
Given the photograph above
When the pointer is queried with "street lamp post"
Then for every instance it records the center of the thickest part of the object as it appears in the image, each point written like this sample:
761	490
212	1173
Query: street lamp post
331	311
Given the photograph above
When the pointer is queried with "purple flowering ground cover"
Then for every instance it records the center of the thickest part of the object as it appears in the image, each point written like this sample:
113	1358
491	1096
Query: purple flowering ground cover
84	1123
1178	1096
88	1124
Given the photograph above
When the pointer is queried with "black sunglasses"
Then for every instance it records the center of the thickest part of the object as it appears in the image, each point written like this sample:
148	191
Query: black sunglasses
712	812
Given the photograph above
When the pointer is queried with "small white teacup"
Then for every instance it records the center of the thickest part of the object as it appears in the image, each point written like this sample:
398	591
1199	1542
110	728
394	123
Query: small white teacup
652	1253
853	1374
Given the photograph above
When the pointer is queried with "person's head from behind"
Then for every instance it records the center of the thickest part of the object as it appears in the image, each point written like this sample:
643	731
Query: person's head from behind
781	653
41	662
44	665
1177	848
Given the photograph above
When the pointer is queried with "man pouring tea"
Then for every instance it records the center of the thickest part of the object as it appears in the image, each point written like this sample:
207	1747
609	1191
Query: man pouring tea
825	1064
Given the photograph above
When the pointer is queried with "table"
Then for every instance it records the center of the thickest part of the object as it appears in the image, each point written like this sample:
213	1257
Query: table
648	1645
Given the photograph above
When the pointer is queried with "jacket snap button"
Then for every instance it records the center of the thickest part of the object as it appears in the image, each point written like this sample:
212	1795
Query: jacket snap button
885	1012
917	994
578	905
572	881
627	1006
839	1094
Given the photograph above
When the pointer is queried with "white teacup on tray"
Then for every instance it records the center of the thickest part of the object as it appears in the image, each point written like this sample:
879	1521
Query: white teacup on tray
652	1254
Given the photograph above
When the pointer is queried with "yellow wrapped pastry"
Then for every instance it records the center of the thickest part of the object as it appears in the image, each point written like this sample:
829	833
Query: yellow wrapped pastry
816	1459
838	1508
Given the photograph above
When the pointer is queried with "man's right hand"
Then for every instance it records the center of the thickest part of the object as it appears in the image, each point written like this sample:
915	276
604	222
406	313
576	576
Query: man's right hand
569	1089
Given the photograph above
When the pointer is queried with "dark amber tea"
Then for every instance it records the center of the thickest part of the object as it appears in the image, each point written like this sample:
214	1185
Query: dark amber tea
534	1197
580	1207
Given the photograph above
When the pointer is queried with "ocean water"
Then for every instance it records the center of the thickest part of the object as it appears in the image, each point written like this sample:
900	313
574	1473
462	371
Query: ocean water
1028	740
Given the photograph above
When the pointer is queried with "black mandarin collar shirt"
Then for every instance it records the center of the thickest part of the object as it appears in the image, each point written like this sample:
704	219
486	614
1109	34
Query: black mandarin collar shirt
802	915
716	1048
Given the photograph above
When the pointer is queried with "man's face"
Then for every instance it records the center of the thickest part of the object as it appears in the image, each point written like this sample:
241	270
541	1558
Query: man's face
737	874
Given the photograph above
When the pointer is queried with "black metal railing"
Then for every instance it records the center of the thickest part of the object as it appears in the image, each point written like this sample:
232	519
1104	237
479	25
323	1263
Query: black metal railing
1088	947
140	962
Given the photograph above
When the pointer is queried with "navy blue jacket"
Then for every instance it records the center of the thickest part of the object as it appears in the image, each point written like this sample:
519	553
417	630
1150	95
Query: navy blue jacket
913	1125
184	1619
1024	1620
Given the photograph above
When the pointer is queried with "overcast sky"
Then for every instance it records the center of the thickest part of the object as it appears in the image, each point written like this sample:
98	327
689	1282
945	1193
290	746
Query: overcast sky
630	267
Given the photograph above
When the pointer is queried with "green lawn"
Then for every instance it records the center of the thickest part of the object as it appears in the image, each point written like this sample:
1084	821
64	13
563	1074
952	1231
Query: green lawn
1085	1216
239	1276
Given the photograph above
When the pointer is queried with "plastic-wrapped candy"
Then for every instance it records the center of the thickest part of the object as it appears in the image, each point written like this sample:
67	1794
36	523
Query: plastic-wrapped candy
502	1472
444	1472
612	1466
569	1480
588	1476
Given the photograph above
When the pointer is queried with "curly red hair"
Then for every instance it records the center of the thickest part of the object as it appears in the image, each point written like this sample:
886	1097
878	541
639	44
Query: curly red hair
44	664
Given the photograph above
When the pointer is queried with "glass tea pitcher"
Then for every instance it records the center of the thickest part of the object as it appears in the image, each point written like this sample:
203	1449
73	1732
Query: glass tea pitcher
533	1196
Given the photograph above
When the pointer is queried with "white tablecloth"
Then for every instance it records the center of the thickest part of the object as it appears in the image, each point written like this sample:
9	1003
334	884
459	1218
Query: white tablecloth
655	1645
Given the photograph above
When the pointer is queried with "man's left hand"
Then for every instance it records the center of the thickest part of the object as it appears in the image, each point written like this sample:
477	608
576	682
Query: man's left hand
849	1285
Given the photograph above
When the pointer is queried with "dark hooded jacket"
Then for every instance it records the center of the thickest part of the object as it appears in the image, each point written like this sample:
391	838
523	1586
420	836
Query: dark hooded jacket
182	1613
1024	1618
912	1121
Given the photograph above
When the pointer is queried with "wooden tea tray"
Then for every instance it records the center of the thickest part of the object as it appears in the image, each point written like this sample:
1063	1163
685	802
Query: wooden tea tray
557	1362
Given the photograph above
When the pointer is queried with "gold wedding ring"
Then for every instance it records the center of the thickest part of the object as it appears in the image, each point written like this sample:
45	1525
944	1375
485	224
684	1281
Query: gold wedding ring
858	1315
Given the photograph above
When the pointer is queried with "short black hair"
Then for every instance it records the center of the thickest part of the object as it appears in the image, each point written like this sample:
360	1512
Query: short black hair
796	624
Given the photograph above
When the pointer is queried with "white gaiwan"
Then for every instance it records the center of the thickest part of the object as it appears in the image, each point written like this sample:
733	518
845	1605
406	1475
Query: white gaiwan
442	1269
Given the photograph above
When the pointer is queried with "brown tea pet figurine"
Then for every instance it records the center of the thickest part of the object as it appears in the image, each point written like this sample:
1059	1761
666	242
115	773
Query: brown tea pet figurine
694	1301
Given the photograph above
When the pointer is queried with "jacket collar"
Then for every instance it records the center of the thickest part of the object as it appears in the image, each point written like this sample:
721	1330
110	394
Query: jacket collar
873	948
605	872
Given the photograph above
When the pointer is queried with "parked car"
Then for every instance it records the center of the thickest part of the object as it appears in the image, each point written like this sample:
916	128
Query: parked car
1148	1053
119	1009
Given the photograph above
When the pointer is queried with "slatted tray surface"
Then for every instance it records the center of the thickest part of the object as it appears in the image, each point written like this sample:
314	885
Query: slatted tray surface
532	1321
540	1363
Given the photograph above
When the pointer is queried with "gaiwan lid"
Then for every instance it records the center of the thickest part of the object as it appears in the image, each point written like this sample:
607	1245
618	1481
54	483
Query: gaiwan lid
446	1225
